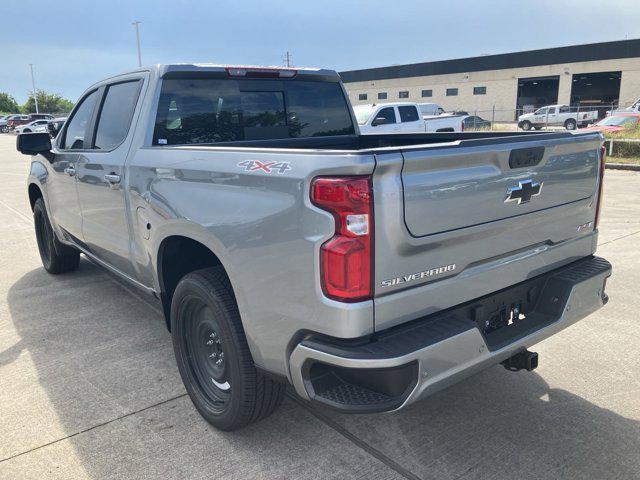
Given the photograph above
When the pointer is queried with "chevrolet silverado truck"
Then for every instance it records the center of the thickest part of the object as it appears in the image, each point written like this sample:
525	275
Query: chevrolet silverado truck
403	117
287	249
557	116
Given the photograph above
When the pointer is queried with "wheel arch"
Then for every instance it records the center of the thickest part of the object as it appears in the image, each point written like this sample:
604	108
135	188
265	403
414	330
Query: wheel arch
177	255
35	192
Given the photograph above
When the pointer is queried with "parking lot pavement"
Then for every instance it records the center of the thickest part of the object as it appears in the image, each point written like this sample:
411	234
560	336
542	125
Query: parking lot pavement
89	386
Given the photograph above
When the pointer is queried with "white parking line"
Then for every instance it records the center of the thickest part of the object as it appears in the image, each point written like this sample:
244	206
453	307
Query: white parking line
17	212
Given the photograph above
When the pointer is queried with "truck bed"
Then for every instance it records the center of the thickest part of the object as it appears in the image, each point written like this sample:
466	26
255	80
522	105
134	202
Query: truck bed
368	142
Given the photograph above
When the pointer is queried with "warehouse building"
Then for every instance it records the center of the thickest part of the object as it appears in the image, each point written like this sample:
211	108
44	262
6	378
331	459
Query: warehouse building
593	76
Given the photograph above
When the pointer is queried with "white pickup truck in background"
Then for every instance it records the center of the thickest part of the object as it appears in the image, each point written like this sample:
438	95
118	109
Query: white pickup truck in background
403	117
430	109
633	108
557	116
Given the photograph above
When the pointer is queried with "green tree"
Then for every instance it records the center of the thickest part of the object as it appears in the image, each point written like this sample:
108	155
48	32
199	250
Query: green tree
8	104
47	103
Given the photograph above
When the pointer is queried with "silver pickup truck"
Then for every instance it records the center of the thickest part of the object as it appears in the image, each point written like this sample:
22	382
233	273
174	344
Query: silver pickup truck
285	248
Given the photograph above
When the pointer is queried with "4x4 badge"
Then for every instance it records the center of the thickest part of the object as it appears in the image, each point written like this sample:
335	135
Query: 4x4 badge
523	193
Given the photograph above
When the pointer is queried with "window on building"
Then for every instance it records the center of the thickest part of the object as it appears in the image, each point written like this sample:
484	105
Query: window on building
427	93
452	92
362	96
479	90
382	95
408	114
403	94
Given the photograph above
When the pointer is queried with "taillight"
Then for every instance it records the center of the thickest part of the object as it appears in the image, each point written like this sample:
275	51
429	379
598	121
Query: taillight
261	72
603	153
346	260
462	126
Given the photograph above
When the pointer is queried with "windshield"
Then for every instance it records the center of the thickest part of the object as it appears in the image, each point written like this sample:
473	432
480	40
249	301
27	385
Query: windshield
363	112
618	121
541	111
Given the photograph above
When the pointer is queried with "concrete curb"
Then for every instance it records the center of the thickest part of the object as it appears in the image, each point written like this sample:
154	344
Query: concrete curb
622	166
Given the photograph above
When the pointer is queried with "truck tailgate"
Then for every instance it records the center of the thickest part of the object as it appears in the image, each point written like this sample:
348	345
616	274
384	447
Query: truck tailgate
461	187
457	221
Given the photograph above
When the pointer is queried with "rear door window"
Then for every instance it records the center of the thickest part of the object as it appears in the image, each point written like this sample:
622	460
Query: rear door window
193	111
115	114
408	114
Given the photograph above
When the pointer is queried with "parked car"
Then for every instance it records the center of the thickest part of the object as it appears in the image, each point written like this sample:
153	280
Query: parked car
16	120
35	126
473	122
430	109
402	117
633	108
285	248
24	119
557	116
3	123
617	122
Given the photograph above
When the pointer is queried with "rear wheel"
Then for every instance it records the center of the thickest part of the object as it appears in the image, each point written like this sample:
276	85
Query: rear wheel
4	129
56	257
213	356
570	124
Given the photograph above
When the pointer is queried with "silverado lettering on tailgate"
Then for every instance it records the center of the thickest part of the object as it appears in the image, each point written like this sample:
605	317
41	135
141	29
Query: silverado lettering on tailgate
432	272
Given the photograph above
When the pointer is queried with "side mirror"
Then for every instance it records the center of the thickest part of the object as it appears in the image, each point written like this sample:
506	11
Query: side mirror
378	121
33	143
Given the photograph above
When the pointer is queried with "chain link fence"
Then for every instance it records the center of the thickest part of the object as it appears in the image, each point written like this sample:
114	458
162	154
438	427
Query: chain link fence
531	118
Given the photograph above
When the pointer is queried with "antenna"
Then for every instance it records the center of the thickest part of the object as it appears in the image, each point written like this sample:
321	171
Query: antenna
286	59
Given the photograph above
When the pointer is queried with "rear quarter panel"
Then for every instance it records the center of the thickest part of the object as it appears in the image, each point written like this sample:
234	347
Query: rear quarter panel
262	227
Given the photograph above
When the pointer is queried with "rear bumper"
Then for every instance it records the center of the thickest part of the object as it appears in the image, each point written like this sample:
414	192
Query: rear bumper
391	369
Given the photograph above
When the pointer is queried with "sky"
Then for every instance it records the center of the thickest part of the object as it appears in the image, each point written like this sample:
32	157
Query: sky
73	44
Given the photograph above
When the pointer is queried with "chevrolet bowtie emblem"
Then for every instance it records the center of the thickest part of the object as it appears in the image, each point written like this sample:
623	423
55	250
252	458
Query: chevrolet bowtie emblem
523	193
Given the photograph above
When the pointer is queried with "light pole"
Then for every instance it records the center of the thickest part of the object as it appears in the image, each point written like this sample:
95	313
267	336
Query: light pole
33	85
135	24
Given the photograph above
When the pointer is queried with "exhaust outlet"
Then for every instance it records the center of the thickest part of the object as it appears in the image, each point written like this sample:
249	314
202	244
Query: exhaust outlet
524	360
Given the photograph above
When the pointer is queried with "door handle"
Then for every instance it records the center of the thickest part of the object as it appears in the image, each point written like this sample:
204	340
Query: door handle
112	178
70	171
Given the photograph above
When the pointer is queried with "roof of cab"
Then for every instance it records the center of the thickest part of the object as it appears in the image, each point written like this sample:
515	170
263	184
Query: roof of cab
180	68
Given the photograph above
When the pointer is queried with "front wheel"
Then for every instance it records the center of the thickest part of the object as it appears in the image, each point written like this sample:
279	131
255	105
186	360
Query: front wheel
56	257
213	356
26	130
4	129
570	124
526	126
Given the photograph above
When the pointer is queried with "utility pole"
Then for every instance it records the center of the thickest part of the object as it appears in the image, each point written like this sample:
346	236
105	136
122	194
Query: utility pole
33	85
135	24
287	59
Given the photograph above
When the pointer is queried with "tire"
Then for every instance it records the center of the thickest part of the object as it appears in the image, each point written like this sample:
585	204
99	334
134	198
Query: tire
538	128
526	125
213	356
56	257
4	129
570	124
26	130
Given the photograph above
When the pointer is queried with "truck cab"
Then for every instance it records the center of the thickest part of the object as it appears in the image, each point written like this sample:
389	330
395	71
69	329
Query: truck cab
402	117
